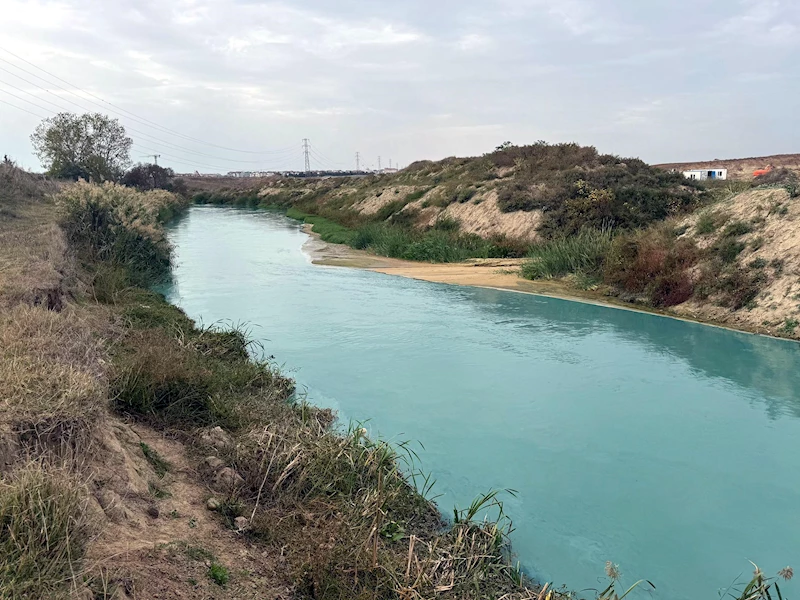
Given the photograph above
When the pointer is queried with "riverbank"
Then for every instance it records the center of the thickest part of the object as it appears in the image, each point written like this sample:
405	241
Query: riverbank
173	460
499	274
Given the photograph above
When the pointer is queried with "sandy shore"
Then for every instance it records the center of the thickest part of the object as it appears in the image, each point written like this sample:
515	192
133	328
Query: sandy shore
493	273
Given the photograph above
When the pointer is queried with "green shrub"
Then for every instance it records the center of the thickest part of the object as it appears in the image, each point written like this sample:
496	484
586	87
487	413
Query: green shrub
416	195
728	249
736	229
446	223
218	574
709	222
577	187
737	286
582	253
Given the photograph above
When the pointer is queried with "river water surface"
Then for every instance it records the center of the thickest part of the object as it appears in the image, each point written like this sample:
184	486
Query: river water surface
668	447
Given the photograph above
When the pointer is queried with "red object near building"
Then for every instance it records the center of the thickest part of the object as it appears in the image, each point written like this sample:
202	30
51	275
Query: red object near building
763	171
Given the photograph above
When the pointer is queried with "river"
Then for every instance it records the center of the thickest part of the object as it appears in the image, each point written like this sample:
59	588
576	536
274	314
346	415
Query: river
668	447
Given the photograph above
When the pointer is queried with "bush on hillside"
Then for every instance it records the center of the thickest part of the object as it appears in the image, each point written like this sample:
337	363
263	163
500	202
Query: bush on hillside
779	176
576	187
654	264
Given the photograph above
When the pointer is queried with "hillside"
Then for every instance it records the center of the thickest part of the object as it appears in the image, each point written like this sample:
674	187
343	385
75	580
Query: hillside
611	228
741	168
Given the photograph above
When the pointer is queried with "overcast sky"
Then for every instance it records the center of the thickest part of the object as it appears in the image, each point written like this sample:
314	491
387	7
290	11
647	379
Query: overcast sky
665	80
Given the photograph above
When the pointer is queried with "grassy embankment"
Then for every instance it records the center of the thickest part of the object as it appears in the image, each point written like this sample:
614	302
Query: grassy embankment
388	232
615	226
671	261
339	508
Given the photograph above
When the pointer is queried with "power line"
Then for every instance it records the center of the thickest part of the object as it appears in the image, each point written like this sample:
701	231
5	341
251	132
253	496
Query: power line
319	159
327	158
140	132
22	109
174	158
142	120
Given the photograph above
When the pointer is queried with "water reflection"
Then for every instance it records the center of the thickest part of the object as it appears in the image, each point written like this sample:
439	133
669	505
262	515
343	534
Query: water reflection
765	366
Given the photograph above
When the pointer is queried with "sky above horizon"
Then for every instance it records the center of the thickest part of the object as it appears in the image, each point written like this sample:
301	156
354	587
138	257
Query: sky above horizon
237	84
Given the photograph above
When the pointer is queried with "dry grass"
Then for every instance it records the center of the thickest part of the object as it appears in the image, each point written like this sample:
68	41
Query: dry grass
35	265
45	529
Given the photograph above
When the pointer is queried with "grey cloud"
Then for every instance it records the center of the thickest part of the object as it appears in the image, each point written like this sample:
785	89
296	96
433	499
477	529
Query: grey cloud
663	80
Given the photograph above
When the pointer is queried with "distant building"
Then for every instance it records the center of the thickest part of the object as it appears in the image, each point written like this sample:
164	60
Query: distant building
703	174
388	171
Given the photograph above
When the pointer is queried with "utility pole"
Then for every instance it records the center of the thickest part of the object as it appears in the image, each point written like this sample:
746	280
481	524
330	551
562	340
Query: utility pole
379	163
358	159
305	154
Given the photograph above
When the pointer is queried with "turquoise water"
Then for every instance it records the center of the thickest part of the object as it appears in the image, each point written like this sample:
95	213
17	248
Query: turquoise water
670	448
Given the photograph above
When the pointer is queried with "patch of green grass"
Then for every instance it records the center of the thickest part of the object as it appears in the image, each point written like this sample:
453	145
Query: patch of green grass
389	209
196	378
198	553
581	253
709	222
159	464
328	230
441	243
789	325
416	194
218	574
736	229
445	223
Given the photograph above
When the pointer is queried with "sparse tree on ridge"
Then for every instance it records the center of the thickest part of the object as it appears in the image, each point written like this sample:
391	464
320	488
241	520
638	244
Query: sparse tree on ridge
91	146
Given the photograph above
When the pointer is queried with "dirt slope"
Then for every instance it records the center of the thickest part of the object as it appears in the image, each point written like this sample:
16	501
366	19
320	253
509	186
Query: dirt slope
741	168
772	248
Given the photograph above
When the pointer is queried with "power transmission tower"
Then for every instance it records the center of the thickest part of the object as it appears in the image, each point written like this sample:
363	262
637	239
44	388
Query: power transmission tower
305	154
358	159
379	163
155	157
390	163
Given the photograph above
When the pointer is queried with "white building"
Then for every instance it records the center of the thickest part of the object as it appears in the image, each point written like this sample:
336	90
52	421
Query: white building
703	174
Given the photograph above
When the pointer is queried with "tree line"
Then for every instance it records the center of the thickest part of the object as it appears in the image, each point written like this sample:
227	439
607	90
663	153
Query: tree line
95	147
